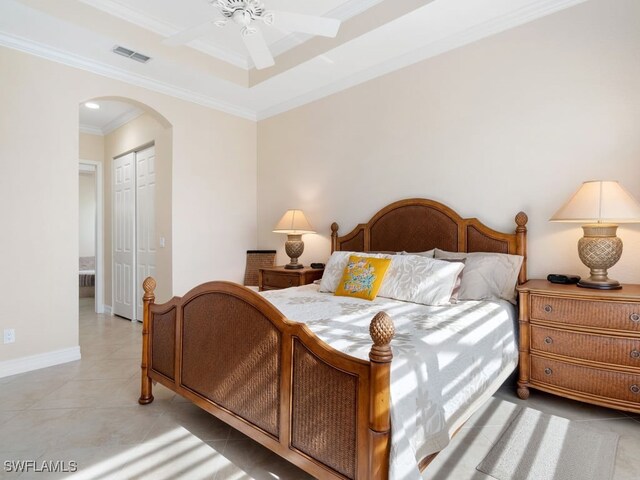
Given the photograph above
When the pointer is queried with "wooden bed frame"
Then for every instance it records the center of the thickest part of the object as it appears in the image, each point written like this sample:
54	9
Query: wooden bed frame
231	352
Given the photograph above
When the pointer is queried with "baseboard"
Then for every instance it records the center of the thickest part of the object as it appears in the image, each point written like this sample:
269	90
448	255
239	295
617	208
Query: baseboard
41	360
107	309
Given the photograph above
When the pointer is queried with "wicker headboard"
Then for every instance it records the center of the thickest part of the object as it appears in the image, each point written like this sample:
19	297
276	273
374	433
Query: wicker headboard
418	224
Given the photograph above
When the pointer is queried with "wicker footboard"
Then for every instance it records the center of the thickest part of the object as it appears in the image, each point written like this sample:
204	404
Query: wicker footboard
232	353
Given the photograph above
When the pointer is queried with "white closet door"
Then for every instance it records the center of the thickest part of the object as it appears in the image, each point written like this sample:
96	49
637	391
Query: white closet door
145	221
123	235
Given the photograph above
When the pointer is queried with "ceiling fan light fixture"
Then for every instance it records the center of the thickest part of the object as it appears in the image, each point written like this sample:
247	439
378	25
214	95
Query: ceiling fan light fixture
243	13
242	18
246	31
228	8
267	18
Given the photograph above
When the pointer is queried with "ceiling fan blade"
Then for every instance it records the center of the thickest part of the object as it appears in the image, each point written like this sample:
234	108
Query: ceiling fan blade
258	49
188	34
298	22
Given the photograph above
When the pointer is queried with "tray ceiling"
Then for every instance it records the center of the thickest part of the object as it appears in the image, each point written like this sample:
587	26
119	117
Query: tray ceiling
376	37
166	17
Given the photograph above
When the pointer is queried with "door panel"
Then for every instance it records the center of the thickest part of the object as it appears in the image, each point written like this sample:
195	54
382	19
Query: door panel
123	228
145	221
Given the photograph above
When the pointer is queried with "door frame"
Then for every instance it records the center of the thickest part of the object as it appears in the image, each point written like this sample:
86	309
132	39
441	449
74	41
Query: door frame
96	167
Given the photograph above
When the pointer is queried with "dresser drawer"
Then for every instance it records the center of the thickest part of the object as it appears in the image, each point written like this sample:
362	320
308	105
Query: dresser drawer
594	381
598	348
573	311
278	280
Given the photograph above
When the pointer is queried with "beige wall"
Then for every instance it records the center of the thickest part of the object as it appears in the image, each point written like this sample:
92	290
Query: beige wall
91	147
87	215
514	122
138	133
214	166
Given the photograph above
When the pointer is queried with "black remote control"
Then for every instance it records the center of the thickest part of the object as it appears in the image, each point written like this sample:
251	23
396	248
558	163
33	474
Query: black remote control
563	278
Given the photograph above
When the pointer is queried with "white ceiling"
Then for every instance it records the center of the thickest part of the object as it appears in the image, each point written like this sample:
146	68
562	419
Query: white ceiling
166	17
111	115
376	37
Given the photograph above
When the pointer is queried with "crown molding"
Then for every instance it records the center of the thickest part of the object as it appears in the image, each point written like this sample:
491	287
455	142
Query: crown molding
498	24
218	52
459	39
351	9
91	130
142	19
121	120
114	124
165	29
105	70
342	13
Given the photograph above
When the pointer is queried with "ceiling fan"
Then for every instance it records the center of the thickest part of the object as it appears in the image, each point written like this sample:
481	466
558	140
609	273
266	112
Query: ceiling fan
247	13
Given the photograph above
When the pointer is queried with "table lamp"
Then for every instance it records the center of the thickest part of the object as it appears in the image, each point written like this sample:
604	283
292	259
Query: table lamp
600	205
294	224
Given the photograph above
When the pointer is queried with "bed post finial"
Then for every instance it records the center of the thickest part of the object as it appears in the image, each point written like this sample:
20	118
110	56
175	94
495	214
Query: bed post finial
382	331
521	244
334	237
521	221
149	287
146	395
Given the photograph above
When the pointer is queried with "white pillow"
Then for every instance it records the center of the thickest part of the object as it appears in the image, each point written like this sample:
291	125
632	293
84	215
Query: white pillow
335	266
487	275
418	279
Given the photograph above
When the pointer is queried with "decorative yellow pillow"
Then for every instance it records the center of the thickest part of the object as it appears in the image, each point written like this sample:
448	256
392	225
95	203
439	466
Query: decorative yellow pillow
363	277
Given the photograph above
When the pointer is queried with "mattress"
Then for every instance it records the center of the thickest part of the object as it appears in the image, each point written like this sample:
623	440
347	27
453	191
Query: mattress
447	360
87	271
87	278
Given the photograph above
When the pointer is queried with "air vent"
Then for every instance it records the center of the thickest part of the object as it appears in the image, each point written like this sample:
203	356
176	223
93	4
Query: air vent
126	52
138	57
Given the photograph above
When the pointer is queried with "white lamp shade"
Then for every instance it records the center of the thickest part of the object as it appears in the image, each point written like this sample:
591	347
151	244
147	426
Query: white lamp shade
599	201
293	222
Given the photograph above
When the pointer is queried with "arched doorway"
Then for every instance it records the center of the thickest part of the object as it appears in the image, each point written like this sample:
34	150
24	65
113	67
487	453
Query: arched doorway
132	144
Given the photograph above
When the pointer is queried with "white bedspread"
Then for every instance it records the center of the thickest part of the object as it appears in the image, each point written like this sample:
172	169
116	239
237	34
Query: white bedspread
447	360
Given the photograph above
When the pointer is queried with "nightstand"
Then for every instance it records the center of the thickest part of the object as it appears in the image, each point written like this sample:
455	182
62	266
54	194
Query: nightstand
581	343
274	278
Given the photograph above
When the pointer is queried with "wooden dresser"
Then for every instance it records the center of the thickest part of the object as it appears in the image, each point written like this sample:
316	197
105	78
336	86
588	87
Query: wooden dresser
274	278
581	343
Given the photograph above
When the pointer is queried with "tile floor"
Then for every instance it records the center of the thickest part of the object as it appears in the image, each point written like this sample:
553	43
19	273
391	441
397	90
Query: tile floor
87	412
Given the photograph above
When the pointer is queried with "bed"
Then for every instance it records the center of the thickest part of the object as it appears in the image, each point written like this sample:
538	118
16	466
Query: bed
289	385
87	276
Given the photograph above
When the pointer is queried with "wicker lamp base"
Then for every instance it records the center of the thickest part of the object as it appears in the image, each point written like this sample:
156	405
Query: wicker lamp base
599	249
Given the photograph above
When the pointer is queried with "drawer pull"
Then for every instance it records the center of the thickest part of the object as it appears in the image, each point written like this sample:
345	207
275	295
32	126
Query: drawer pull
548	371
634	317
635	354
634	389
548	340
549	309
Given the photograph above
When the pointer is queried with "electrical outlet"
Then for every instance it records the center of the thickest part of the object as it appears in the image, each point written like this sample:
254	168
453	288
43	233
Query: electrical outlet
9	335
